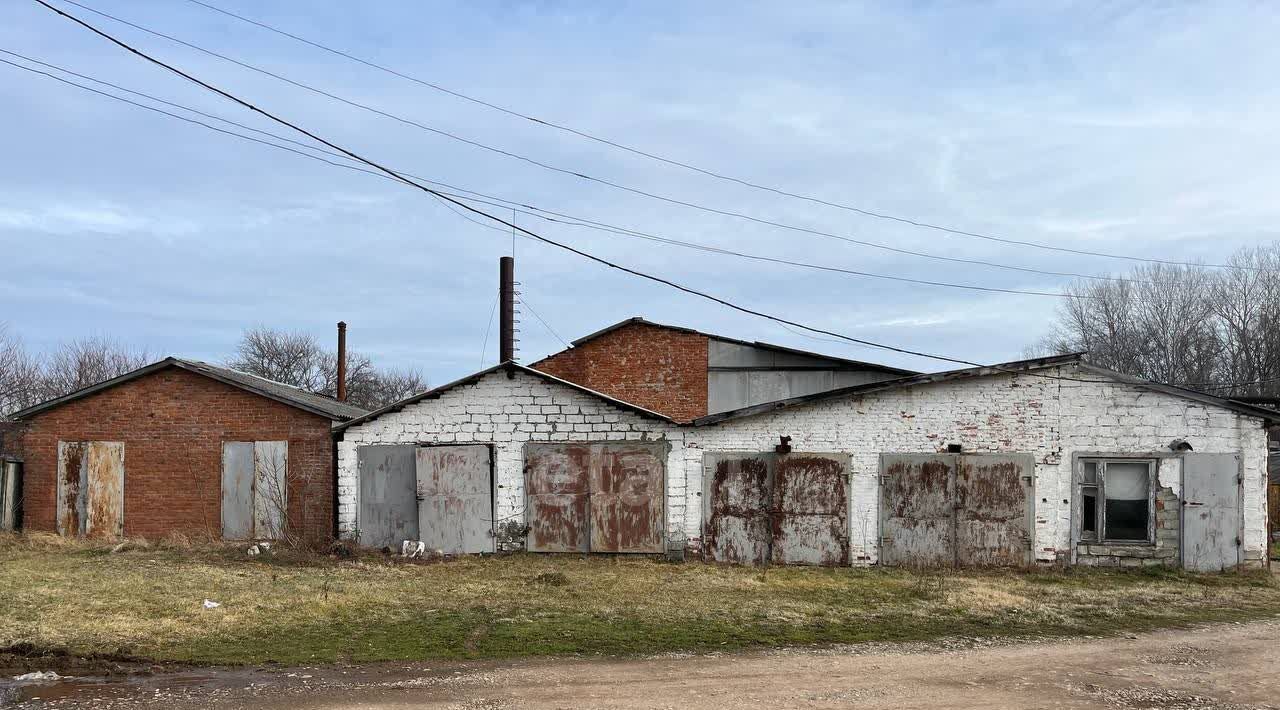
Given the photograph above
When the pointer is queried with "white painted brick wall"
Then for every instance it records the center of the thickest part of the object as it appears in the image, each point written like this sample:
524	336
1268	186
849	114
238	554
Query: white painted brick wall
1050	419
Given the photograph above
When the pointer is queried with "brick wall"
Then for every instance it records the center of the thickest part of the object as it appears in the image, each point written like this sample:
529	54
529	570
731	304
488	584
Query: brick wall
173	423
660	369
1047	418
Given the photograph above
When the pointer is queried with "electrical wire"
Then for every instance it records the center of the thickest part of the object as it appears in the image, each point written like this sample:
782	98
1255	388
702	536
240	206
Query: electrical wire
504	203
689	166
546	240
574	173
544	323
488	329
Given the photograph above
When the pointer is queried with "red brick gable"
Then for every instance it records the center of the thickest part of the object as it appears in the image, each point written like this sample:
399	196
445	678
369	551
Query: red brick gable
658	368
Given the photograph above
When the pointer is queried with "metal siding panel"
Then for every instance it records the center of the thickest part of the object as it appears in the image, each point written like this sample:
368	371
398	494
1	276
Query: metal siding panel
557	494
992	503
811	509
455	510
10	502
237	490
767	386
738	495
917	520
388	511
1211	515
104	505
627	494
726	391
70	487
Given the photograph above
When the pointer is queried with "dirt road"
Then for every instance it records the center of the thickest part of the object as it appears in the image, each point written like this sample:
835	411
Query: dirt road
1224	666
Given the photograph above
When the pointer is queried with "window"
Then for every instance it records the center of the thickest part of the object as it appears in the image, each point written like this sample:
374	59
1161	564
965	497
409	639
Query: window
1116	499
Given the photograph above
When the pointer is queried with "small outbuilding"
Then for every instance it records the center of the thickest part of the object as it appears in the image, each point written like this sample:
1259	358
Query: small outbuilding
184	447
1044	460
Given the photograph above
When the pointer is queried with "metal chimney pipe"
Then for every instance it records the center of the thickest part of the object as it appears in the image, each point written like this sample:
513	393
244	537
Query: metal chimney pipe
507	306
342	361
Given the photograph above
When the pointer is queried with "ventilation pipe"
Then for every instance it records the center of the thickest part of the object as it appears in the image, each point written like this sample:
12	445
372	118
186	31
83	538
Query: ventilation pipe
342	361
507	306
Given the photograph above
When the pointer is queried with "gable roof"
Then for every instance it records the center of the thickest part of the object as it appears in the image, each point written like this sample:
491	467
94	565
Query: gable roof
1016	366
637	320
286	394
510	367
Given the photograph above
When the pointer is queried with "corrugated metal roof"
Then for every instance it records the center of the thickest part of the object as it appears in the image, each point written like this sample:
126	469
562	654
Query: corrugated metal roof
286	394
637	320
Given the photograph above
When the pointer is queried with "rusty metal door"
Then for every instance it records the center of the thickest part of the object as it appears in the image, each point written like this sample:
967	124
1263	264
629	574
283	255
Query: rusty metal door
1211	515
455	499
91	488
917	514
810	512
557	497
627	485
737	499
71	488
237	490
605	497
993	503
388	512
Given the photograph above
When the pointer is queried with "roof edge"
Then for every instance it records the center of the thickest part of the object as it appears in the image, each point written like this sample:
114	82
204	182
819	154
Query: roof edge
511	366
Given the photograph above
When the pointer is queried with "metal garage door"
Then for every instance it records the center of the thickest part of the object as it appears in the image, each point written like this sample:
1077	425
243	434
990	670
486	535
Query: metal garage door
455	499
941	510
388	502
90	488
736	508
785	509
606	497
1211	521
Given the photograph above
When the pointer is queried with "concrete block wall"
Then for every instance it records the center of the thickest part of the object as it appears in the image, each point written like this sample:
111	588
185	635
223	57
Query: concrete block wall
1048	418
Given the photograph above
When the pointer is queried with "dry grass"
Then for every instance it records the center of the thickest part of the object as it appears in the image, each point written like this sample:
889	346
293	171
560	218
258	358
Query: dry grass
300	607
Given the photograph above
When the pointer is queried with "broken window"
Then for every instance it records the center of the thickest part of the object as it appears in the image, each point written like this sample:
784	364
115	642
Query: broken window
1116	499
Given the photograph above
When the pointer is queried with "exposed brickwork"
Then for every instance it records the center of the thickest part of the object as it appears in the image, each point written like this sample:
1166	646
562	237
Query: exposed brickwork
661	369
173	423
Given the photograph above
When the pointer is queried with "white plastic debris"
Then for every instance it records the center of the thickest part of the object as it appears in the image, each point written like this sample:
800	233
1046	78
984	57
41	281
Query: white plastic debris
37	677
254	551
210	604
412	549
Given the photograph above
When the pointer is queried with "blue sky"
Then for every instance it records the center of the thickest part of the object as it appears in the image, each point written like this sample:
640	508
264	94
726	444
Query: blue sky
1137	128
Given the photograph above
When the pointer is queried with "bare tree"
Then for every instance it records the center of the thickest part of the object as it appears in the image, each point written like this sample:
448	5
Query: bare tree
298	359
85	362
1181	324
21	383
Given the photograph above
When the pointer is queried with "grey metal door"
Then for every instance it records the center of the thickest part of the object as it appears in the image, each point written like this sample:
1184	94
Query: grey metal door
1211	520
739	492
917	514
557	497
237	490
388	512
455	499
810	511
993	504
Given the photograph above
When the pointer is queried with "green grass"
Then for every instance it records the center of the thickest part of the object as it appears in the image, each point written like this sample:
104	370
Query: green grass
301	609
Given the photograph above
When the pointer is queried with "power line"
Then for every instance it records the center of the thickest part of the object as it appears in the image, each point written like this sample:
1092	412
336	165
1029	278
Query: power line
504	203
440	196
489	328
544	323
573	173
689	166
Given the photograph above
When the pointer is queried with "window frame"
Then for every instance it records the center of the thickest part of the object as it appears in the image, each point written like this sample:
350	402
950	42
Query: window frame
1098	537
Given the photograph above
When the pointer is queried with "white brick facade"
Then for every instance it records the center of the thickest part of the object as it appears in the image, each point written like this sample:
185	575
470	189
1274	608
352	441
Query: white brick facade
1051	419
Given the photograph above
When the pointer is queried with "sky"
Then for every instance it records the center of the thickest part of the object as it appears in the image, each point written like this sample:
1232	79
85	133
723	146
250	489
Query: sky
1143	129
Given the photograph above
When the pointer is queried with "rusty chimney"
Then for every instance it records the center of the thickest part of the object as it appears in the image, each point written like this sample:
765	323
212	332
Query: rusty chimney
342	361
507	306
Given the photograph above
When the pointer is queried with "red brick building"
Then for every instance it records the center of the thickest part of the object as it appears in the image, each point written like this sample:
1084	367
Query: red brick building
685	374
186	447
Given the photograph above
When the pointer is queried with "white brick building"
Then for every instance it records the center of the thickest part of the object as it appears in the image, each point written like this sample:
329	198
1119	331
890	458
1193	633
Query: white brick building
1087	465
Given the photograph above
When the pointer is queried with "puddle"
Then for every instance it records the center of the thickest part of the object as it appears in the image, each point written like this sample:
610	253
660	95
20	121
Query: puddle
69	690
